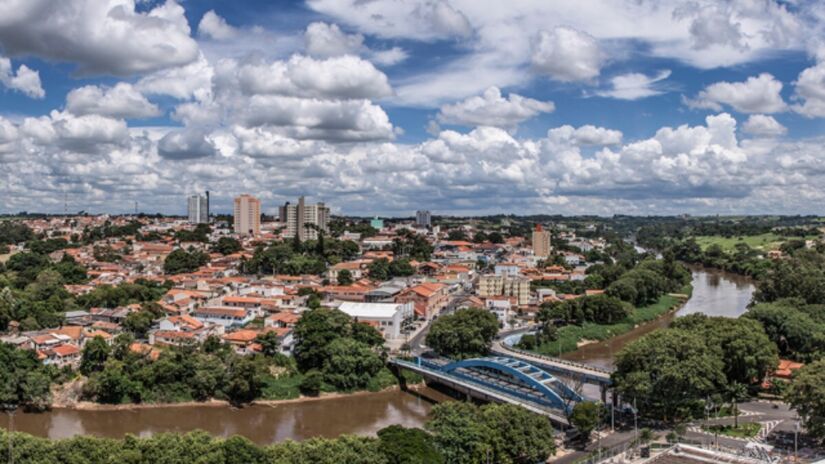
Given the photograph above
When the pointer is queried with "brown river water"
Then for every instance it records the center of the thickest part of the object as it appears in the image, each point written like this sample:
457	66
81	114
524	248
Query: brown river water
714	293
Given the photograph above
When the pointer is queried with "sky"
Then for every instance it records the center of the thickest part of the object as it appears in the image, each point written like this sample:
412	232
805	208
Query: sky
384	107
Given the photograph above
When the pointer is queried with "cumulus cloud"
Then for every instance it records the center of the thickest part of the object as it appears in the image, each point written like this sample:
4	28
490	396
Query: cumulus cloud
120	101
25	80
324	40
759	94
584	135
492	109
183	144
99	36
215	27
301	76
762	125
633	86
810	89
567	55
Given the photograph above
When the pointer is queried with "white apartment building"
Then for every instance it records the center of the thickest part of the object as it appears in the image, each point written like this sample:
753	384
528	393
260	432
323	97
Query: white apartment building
301	215
198	209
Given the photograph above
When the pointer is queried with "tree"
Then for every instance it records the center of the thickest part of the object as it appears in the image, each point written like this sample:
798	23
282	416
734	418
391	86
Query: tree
245	376
350	364
807	395
139	323
464	334
379	269
669	372
314	332
736	392
180	261
457	235
408	446
586	416
227	246
311	383
95	354
344	277
270	343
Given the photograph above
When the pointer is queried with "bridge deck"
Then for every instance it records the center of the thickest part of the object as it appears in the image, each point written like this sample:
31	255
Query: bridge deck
593	374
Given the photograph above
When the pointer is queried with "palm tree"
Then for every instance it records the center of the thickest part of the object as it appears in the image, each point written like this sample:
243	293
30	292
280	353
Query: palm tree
736	392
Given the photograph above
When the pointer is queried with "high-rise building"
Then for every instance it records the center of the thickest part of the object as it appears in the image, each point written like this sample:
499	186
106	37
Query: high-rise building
247	215
422	218
305	220
198	209
541	242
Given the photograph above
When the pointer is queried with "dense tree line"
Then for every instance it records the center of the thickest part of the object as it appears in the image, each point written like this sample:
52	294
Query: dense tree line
742	259
200	233
467	333
410	245
457	433
670	373
14	232
180	261
109	230
295	258
384	269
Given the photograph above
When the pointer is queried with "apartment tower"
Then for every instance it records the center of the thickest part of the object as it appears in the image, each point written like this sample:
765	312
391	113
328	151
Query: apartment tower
423	218
541	242
305	220
198	209
247	215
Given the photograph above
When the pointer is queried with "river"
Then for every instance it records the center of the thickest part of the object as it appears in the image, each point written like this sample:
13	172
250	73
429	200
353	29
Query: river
714	293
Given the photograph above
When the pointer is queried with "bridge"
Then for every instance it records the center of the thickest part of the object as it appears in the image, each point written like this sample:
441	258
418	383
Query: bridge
562	367
500	379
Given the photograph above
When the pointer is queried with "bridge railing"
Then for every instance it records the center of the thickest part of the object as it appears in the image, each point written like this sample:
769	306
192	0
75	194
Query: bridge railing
555	360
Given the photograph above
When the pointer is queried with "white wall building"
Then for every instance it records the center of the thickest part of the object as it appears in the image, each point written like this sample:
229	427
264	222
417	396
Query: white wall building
389	317
198	209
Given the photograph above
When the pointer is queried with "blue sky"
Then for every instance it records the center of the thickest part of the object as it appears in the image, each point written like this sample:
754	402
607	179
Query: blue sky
385	107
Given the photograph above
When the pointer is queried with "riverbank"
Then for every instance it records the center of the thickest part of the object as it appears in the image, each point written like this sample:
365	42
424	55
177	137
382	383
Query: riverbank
215	403
573	337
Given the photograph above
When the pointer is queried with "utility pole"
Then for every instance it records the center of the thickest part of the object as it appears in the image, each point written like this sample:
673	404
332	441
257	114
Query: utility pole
635	422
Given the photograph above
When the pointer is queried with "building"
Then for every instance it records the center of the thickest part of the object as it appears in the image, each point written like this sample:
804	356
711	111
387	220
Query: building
388	318
247	215
502	285
198	209
429	298
423	218
376	223
305	220
541	242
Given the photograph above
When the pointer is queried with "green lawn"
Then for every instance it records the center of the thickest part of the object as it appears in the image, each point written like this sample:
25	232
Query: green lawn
571	335
745	430
769	241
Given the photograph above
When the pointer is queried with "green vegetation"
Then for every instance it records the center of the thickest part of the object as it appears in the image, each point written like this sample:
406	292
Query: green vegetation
671	372
14	232
24	381
586	417
762	242
807	395
295	258
199	234
500	433
180	261
467	333
227	246
383	269
746	430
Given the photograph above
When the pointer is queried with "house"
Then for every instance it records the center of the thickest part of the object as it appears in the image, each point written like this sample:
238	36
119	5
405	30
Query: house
388	318
428	298
282	320
357	270
223	315
62	355
501	307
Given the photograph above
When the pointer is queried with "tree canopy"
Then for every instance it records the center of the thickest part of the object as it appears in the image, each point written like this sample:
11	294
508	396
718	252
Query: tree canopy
467	333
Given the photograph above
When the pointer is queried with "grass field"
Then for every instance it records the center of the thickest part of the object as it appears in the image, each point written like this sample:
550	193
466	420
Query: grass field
769	241
571	335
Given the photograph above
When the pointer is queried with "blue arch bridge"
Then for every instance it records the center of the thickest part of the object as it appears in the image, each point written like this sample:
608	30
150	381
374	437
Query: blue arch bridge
501	379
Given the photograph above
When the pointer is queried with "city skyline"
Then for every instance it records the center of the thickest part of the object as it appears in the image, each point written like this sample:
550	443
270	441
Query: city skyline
384	108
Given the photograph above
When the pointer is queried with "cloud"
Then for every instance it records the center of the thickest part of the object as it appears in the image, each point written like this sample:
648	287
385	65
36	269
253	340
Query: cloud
215	27
183	145
120	101
301	76
810	89
634	86
762	125
760	94
491	109
193	80
25	80
324	40
99	36
566	54
584	135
